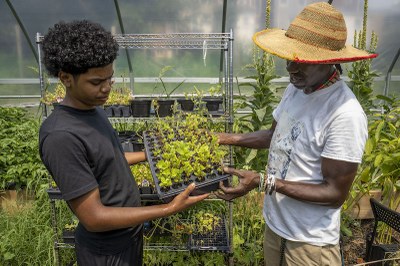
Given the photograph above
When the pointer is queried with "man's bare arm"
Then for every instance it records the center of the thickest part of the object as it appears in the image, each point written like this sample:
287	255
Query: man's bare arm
256	140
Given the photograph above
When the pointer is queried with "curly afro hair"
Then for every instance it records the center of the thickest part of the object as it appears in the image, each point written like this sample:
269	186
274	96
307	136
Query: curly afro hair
77	46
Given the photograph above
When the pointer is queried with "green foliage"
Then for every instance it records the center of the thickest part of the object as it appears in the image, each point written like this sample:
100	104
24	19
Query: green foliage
159	258
54	97
20	162
248	229
27	237
188	148
142	174
260	105
380	167
381	161
167	91
120	96
361	75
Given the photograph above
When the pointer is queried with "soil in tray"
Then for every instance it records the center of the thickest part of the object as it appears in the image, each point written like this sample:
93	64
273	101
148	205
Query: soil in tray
216	239
205	185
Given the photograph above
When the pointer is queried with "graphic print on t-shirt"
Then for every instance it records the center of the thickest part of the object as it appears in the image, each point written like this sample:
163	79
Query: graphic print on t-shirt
285	135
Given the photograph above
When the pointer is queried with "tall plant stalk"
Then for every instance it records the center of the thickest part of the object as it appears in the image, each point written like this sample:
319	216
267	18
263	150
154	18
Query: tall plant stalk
260	104
361	74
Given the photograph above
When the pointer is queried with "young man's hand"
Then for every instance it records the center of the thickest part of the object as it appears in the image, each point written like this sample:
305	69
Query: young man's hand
184	200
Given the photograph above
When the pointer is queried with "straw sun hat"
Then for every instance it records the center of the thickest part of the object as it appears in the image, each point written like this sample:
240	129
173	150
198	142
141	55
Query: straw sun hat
316	36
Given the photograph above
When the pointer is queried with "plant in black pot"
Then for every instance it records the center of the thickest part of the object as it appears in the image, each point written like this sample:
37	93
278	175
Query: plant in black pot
140	107
69	232
215	99
142	174
54	98
117	104
164	106
187	104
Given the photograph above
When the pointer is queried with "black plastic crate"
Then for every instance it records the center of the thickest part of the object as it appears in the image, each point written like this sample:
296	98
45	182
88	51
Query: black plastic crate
383	251
210	183
216	240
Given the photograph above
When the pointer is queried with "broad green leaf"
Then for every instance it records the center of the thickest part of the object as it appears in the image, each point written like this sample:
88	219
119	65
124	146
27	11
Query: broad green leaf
378	130
378	160
369	145
364	176
261	113
251	156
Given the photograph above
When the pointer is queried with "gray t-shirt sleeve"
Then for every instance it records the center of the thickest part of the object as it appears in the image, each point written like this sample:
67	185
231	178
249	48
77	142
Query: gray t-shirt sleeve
66	159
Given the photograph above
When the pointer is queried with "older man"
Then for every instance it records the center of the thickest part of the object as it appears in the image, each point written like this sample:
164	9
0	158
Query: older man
315	142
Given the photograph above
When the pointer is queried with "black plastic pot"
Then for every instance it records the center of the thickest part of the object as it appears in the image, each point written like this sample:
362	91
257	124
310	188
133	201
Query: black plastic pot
137	146
125	110
125	140
213	104
164	107
109	110
140	107
186	104
116	110
146	190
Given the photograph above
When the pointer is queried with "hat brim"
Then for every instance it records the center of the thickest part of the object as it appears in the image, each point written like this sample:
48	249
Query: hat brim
274	41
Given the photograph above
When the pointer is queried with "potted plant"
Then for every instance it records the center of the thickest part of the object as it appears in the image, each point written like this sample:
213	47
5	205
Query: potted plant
142	174
117	104
164	106
55	97
68	233
140	107
214	99
187	103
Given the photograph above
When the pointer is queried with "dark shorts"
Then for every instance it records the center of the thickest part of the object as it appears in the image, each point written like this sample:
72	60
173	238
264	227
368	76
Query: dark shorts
131	256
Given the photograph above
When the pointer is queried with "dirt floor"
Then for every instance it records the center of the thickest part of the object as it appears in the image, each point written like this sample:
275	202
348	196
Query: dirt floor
354	246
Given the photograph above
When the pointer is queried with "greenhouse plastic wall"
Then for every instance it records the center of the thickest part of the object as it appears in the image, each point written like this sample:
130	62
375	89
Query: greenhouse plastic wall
18	63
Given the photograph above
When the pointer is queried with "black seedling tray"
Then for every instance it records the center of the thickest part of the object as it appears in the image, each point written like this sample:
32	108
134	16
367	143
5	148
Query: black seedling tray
54	193
216	240
68	236
210	183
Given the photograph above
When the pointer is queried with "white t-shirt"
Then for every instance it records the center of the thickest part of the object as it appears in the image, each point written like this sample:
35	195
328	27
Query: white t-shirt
328	123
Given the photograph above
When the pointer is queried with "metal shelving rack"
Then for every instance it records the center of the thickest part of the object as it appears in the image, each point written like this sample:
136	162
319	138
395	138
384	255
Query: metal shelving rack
200	41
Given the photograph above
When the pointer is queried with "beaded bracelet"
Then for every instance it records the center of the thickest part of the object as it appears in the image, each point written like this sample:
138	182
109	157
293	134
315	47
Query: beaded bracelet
270	184
261	185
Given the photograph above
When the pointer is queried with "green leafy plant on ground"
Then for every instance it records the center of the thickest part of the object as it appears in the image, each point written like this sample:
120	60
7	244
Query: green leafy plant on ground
248	230
20	164
27	237
380	167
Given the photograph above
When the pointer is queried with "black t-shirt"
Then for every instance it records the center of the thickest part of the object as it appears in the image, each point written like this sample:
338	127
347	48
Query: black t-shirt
82	151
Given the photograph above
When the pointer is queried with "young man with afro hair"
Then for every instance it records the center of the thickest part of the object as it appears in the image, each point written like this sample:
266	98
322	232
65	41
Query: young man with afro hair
81	150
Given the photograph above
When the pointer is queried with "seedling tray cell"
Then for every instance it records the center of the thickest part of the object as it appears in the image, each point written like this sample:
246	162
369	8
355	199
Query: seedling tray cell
68	236
210	182
215	240
54	194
